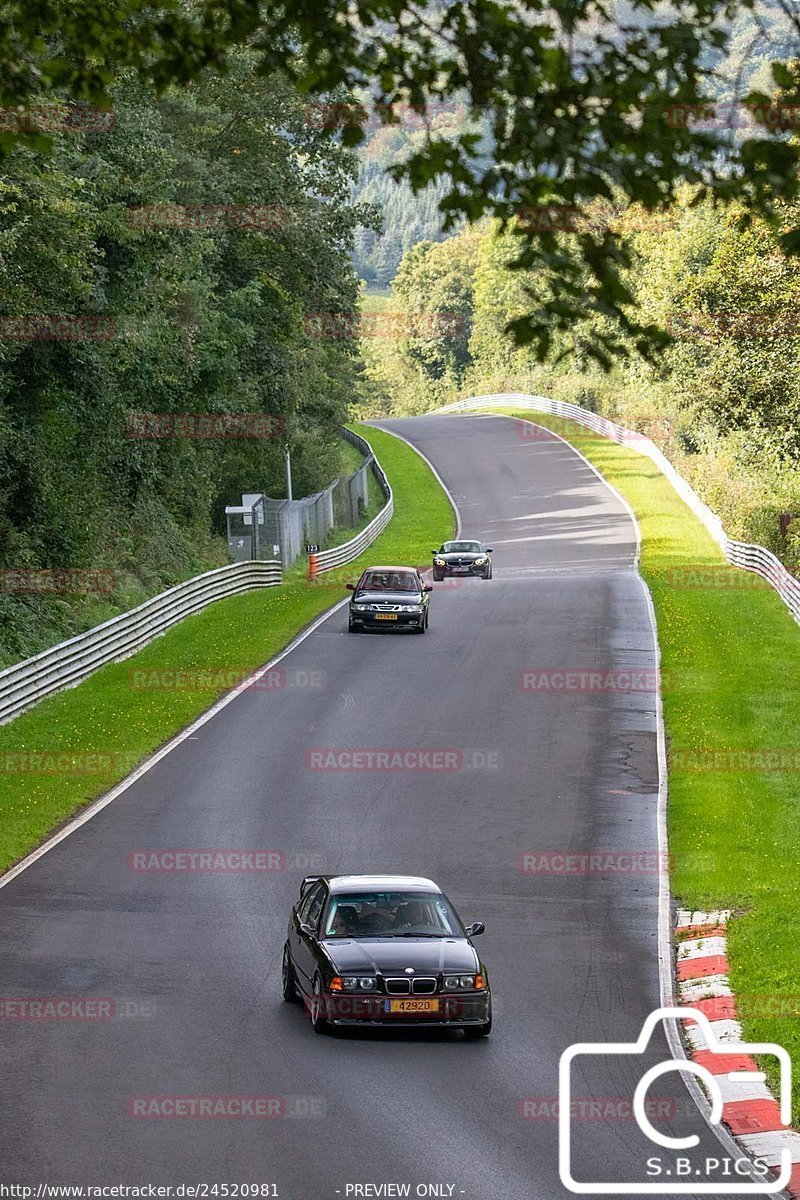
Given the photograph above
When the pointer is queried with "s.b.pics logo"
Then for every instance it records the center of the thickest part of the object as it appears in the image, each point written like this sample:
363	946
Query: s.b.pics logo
727	1072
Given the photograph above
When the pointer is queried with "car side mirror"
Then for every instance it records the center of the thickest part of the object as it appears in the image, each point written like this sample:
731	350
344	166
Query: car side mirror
351	587
306	929
489	550
475	928
436	552
428	587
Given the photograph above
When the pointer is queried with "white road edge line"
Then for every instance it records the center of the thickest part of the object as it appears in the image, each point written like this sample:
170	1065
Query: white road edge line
98	805
664	922
376	425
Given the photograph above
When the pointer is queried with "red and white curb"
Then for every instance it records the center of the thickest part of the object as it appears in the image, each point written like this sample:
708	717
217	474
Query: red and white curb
749	1109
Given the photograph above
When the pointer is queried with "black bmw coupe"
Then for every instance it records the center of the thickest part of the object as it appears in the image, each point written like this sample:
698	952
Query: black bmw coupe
462	558
384	950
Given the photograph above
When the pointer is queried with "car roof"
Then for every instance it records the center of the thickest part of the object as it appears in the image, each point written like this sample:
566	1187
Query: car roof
409	570
380	883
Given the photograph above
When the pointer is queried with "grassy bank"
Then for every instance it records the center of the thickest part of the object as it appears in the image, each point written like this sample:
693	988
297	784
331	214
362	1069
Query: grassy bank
730	651
113	718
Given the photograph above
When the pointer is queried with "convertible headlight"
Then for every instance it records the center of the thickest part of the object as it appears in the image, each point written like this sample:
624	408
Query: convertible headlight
440	562
479	562
453	983
352	983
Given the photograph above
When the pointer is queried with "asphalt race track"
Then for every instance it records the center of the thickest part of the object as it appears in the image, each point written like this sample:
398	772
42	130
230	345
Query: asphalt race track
192	960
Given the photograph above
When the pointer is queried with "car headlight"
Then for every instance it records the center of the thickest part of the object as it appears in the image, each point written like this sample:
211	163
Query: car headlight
352	983
412	608
439	562
453	983
361	608
479	562
368	983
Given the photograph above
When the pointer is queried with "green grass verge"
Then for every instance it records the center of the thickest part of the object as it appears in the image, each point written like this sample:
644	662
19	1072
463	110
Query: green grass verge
120	724
729	650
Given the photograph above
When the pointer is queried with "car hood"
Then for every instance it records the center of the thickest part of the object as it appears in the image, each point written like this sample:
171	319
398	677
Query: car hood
392	955
387	597
462	555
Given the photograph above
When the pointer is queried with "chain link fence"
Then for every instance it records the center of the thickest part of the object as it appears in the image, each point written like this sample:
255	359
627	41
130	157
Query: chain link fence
264	527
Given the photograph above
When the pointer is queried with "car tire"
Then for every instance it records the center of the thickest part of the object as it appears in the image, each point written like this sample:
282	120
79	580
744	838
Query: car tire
351	628
288	979
318	1022
437	577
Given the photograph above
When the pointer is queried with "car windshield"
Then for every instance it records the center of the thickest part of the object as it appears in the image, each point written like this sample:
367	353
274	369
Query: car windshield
461	548
389	581
390	914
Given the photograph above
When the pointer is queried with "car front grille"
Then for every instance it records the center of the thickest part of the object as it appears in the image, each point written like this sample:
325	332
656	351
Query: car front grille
398	987
423	986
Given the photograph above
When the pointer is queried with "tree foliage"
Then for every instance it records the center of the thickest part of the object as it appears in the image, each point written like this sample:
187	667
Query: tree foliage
211	312
580	103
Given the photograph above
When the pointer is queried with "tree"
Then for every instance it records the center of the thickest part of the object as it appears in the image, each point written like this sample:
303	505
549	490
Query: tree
578	106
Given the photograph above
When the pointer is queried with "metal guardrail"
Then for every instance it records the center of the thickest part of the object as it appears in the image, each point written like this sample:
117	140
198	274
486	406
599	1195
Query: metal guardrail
337	556
27	682
745	555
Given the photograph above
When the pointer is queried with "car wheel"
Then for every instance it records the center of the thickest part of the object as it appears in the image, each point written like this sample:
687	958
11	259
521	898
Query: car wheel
318	1022
423	627
351	628
437	577
289	982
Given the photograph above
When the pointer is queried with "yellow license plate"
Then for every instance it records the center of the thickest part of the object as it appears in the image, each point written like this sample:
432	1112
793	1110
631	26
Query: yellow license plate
412	1006
385	616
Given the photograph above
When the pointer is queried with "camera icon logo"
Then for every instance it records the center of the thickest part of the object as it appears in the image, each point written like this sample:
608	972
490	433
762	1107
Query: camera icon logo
711	1083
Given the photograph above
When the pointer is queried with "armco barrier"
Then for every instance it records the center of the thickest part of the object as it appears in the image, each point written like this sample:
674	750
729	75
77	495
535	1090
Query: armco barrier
739	554
337	556
27	682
